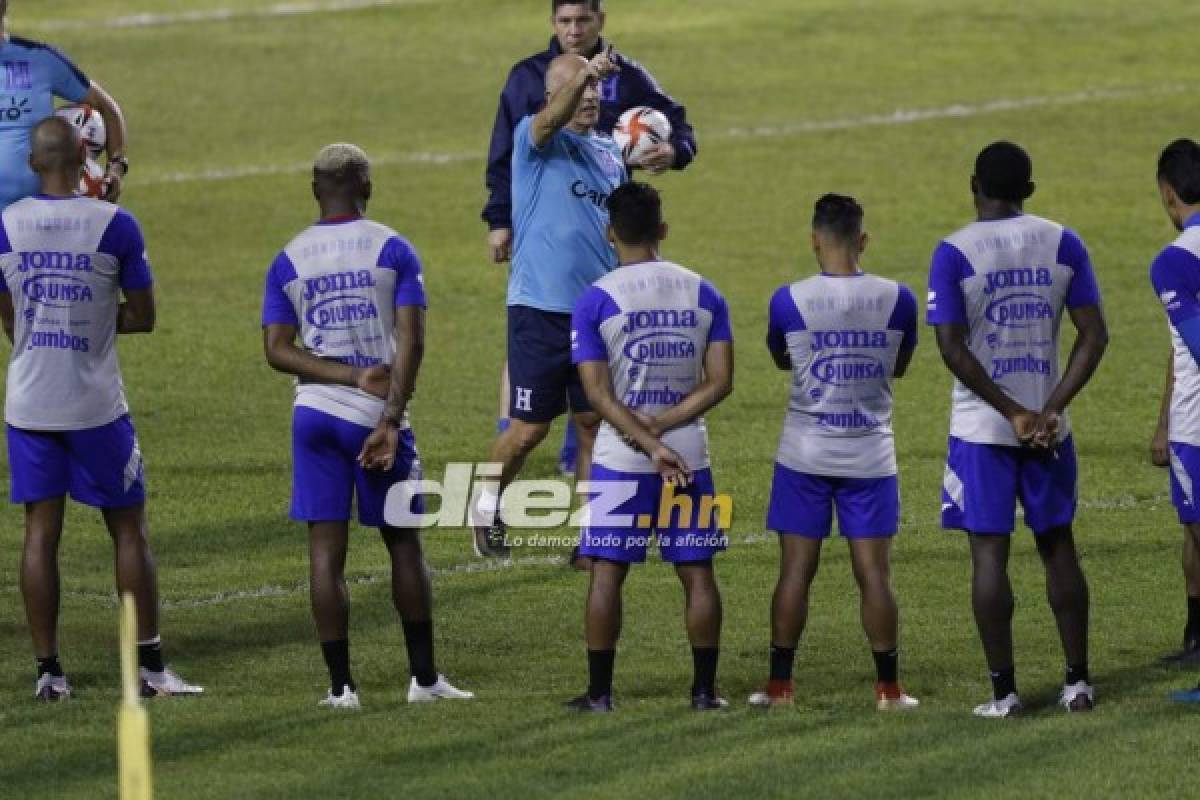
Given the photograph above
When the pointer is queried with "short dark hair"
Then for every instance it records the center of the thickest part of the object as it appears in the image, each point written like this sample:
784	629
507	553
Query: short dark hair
635	212
840	215
594	5
1179	168
1005	172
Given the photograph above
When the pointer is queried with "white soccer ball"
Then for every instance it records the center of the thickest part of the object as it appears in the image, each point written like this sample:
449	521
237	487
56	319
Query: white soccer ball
91	182
640	129
90	125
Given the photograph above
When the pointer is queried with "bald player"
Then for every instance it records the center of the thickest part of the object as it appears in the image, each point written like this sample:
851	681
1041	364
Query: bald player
65	263
563	173
352	291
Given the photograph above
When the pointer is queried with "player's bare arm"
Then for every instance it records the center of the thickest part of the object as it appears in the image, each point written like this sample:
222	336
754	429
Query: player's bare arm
118	134
1089	347
137	314
379	450
716	386
597	382
903	361
566	97
1160	448
279	345
952	343
7	315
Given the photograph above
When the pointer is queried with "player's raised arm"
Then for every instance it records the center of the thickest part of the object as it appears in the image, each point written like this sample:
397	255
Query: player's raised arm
570	88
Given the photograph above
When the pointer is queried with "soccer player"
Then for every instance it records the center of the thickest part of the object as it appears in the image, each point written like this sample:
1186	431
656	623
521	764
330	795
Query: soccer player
578	25
997	292
1176	280
844	335
563	171
34	74
64	264
655	350
352	290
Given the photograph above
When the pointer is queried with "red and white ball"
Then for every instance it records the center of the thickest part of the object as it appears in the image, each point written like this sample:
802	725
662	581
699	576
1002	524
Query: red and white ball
93	137
638	131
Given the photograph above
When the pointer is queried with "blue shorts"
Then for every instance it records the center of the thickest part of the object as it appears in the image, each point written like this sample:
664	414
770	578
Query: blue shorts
983	483
326	475
100	467
803	504
684	539
542	380
1185	474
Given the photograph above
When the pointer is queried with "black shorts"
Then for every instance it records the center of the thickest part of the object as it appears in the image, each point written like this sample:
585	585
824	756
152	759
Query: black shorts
542	381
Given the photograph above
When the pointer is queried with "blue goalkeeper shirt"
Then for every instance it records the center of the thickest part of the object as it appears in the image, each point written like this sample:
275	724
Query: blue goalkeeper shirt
31	76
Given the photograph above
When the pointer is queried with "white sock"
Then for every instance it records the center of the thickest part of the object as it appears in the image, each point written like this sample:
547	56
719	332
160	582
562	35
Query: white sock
488	503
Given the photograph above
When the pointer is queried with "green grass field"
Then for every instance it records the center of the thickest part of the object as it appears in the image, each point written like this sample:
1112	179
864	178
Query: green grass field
789	100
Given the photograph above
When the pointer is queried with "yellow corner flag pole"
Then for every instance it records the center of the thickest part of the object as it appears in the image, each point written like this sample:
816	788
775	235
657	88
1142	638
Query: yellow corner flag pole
133	725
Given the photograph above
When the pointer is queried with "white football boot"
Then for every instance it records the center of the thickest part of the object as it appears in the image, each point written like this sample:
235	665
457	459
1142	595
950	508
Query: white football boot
999	709
1078	697
441	690
346	701
51	688
166	684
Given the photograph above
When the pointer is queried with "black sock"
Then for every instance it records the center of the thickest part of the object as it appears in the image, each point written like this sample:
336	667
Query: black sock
150	656
1192	631
887	665
782	660
704	663
418	638
1077	673
1004	683
49	665
600	672
337	659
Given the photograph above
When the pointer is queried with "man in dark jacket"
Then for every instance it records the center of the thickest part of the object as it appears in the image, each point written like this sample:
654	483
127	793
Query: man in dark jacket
578	25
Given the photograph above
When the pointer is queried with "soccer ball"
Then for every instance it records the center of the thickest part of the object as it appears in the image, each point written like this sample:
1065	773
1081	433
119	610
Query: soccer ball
91	180
92	137
90	125
640	129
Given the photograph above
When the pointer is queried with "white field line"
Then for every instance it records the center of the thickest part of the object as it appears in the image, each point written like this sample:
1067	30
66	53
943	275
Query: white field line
252	171
153	20
899	117
109	600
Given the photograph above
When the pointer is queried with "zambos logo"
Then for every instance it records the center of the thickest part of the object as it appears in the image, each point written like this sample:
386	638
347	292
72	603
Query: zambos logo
1021	310
660	349
57	291
341	313
847	369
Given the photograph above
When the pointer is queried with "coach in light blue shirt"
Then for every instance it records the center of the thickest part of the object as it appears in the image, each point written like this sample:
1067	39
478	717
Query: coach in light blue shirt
563	173
31	76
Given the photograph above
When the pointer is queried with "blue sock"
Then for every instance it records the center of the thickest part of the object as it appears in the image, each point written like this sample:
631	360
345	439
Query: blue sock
570	445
